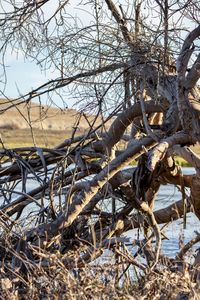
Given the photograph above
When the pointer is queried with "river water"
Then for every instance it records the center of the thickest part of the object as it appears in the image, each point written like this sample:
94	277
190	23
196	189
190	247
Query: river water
167	195
178	236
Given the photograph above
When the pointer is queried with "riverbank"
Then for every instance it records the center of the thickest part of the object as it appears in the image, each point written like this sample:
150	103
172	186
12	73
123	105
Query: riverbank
15	138
54	280
27	138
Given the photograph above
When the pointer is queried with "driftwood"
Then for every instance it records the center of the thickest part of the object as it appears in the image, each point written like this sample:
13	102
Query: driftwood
86	192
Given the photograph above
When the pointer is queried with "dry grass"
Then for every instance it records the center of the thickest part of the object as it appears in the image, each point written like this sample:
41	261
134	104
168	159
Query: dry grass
29	278
24	116
49	125
43	138
50	276
58	282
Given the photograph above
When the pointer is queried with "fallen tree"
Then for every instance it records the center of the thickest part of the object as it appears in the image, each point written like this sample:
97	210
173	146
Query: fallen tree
86	194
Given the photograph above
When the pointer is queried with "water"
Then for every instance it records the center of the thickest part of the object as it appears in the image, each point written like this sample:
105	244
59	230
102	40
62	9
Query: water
167	195
178	236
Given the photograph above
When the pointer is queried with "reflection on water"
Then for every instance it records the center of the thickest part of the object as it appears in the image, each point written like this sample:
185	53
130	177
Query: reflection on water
167	195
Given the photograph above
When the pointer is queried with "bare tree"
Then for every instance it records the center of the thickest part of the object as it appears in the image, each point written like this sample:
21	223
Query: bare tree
136	65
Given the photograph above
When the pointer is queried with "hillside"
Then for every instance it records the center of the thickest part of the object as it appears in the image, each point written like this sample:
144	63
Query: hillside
24	116
50	126
24	125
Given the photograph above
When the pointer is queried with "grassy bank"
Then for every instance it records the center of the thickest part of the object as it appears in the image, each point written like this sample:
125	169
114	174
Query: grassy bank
51	138
100	281
179	160
26	138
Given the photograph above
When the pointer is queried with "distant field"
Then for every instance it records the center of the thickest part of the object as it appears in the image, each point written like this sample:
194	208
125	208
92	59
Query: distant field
24	116
13	138
43	138
50	125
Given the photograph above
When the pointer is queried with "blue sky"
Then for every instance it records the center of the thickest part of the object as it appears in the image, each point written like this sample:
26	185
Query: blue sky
24	75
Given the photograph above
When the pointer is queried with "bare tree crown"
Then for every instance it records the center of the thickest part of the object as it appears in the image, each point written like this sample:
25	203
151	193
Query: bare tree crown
134	66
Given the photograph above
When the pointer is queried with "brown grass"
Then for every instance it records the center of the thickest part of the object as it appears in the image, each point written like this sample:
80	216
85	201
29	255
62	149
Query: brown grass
43	138
101	282
55	276
49	125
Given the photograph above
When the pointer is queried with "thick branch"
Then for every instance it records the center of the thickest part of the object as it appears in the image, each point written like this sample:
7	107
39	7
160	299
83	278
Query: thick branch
124	119
120	20
159	152
81	199
188	113
165	215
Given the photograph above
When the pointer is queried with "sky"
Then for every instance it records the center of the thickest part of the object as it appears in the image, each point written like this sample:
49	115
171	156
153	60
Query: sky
24	75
